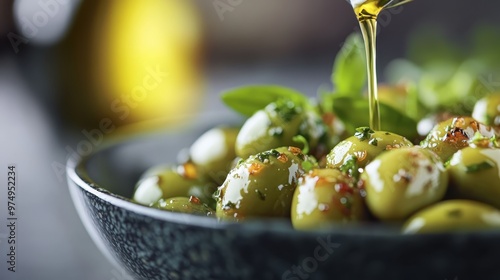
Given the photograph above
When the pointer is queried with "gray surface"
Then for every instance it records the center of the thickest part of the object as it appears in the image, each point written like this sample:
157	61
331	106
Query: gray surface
52	243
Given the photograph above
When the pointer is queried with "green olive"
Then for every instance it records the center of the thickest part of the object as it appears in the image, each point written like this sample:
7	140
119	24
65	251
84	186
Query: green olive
402	181
363	147
168	182
454	134
475	174
262	185
276	126
454	215
487	110
191	205
326	196
213	152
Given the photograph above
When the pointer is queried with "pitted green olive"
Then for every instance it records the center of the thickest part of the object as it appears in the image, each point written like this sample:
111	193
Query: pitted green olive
363	147
188	205
475	174
487	110
402	181
262	185
276	126
213	152
454	134
168	182
326	196
454	215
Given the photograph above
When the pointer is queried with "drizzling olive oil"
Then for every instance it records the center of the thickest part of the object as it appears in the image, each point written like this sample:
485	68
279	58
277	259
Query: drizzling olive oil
367	12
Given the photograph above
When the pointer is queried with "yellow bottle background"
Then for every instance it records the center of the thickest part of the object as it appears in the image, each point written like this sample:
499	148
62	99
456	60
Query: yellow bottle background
111	54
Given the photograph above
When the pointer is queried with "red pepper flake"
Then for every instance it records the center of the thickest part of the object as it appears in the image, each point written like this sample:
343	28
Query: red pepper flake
255	168
194	199
294	150
456	135
283	158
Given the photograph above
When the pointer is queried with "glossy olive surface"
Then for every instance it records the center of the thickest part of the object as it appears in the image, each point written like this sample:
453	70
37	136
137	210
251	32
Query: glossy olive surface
402	181
276	126
213	152
454	134
190	247
487	110
188	205
364	146
475	174
165	182
326	196
262	185
454	215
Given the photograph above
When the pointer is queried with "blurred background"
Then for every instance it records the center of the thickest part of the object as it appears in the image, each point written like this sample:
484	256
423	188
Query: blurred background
69	67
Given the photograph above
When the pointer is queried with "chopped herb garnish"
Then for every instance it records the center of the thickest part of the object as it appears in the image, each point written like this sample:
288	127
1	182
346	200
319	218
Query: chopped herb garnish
481	141
275	153
478	167
373	142
216	195
286	109
229	205
350	167
265	155
363	133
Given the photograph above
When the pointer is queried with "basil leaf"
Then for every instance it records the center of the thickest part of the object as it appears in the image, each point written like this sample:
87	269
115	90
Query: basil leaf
354	113
247	100
349	70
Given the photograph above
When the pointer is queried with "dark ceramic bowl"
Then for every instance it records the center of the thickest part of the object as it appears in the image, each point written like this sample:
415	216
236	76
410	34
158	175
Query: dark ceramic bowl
155	244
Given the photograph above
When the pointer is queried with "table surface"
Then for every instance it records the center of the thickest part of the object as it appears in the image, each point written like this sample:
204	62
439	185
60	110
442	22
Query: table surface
51	241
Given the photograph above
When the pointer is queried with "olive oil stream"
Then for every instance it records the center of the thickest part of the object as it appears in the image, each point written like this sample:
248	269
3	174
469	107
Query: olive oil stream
367	12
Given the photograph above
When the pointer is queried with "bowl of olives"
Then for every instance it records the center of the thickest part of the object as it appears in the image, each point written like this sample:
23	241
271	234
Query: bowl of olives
304	188
288	194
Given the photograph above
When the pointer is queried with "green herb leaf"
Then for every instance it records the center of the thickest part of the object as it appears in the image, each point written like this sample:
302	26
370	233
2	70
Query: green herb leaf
349	70
354	113
478	167
350	167
363	133
247	100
